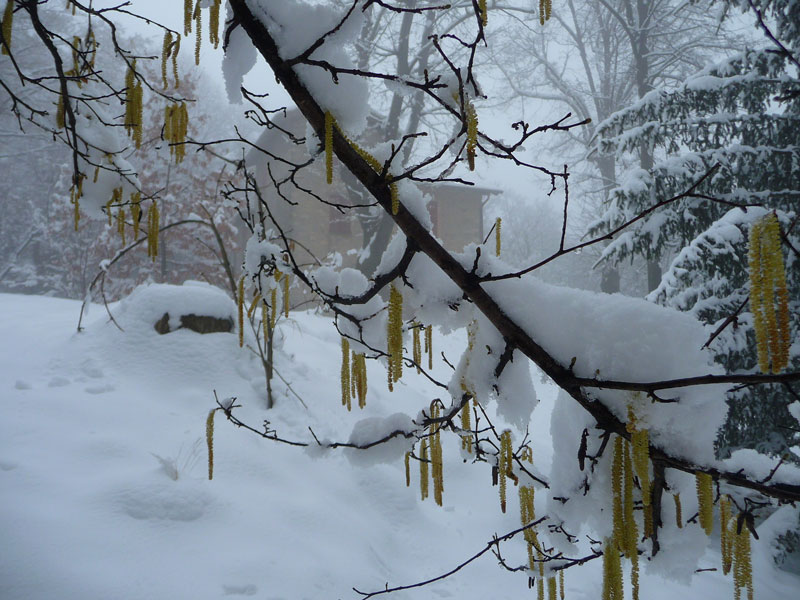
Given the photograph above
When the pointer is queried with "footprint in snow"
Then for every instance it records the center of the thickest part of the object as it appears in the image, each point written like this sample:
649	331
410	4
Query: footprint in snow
90	369
58	382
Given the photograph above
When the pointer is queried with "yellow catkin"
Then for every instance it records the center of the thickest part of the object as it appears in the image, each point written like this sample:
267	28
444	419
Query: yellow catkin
198	25
358	379
497	225
640	442
545	10
187	17
265	321
527	454
504	465
417	348
705	501
774	270
437	471
165	50
484	13
175	51
273	308
631	531
328	147
240	307
423	469
742	564
429	345
133	105
408	469
152	231
74	196
253	305
286	283
756	295
210	442
612	572
527	514
466	426
561	584
768	293
121	224
617	478
136	212
676	498
8	19
552	588
726	538
213	23
769	299
472	133
394	335
345	374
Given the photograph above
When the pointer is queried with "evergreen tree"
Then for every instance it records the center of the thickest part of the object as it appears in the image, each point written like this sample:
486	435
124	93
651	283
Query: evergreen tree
730	136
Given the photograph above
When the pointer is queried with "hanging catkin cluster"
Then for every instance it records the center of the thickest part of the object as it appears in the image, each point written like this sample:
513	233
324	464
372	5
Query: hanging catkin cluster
210	442
75	193
213	23
545	8
612	572
705	501
769	298
626	529
358	378
742	562
505	467
429	345
437	472
483	13
345	373
187	17
133	105
353	376
152	231
170	48
198	31
136	213
727	527
472	132
394	337
416	345
423	468
121	224
176	126
8	19
466	427
640	446
497	225
330	124
527	513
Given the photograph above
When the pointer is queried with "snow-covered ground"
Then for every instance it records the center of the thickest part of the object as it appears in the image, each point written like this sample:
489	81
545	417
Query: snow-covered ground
95	424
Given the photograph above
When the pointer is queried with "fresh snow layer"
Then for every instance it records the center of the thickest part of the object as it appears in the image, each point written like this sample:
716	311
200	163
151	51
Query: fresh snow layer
105	494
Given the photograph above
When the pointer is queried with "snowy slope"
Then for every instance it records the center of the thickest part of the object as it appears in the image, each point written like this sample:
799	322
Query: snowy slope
90	512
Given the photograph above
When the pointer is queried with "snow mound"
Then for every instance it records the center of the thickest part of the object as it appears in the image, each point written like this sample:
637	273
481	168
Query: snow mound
148	303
